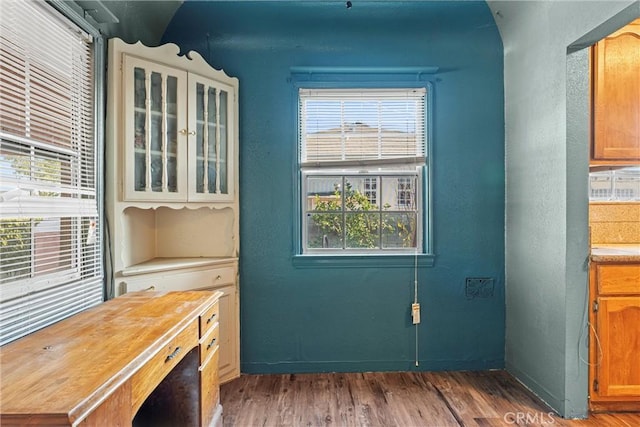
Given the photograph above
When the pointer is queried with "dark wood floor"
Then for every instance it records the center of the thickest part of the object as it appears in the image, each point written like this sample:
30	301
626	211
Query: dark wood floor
426	399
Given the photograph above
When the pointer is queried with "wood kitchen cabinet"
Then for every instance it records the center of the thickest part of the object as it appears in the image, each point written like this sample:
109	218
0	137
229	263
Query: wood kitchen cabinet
171	186
614	344
616	97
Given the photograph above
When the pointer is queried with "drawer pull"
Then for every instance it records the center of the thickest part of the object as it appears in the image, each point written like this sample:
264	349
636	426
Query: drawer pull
210	319
173	355
218	277
213	341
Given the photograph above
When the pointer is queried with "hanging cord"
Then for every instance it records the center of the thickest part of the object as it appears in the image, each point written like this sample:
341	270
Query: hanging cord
415	307
415	264
415	295
415	277
589	326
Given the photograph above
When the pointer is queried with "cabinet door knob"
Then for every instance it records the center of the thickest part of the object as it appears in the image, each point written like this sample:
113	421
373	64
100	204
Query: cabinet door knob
186	132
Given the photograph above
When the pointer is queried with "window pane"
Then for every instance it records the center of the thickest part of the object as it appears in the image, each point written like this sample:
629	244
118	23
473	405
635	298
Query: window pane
200	137
363	230
361	193
172	134
156	92
324	193
399	230
140	95
140	141
224	141
399	193
212	160
141	172
615	185
324	230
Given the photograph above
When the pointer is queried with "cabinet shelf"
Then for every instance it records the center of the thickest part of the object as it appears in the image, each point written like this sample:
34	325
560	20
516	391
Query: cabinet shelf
161	264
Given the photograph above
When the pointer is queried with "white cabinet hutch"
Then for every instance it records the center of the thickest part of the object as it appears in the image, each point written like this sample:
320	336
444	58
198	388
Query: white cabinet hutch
172	179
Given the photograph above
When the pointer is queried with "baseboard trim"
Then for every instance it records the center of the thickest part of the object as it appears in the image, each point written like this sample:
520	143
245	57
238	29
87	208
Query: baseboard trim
369	366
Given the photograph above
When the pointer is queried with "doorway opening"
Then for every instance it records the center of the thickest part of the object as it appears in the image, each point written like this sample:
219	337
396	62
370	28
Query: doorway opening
603	152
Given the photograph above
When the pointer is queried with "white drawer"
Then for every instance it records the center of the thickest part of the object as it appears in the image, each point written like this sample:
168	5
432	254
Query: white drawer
173	281
223	276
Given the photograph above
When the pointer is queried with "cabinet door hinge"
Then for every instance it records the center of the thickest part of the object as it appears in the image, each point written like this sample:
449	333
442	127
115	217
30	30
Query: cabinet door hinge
595	385
595	306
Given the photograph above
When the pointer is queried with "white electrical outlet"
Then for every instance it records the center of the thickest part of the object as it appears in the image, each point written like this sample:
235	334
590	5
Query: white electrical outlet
415	313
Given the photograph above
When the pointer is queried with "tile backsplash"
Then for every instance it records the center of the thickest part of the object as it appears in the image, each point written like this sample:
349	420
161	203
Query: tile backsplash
614	222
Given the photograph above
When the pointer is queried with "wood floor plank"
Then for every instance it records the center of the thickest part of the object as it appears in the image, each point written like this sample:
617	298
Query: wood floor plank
458	397
285	394
346	414
403	399
364	401
415	401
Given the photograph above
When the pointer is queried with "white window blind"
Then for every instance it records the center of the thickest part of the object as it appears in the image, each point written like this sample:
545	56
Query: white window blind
50	241
359	126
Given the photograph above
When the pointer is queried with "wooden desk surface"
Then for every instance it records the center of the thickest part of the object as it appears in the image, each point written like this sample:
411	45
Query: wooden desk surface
66	370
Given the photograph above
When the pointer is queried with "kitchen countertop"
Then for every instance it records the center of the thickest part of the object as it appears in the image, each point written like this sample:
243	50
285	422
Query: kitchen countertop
615	252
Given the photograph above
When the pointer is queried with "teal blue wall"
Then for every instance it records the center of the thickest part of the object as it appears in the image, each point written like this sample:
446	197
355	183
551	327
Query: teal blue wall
357	319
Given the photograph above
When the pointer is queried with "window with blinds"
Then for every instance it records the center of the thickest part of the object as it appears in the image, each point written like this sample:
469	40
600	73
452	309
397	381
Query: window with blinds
362	159
50	237
357	126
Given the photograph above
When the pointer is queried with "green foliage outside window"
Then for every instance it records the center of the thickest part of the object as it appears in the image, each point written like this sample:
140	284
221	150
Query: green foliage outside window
365	223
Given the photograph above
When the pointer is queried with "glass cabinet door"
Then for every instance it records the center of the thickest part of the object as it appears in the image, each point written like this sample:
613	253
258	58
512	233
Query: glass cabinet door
155	129
211	177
